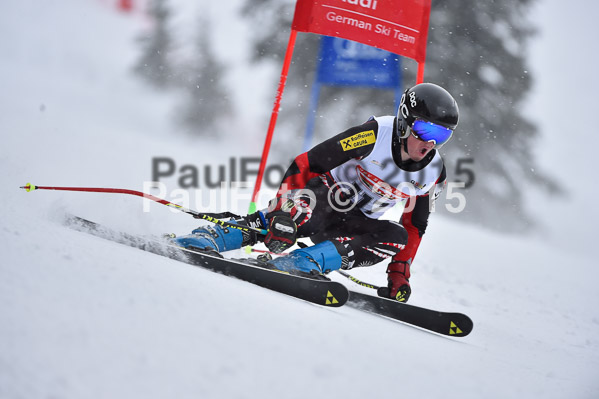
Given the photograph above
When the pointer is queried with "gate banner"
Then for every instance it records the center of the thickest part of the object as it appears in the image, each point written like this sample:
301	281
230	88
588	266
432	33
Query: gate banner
398	26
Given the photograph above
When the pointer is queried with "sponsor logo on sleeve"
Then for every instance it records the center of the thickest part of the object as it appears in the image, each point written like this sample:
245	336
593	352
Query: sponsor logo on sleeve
358	140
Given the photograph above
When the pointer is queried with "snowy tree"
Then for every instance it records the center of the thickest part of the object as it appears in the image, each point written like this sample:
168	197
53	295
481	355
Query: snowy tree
478	53
154	64
206	99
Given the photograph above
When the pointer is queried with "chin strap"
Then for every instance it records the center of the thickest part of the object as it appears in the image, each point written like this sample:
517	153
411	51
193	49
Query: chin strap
402	134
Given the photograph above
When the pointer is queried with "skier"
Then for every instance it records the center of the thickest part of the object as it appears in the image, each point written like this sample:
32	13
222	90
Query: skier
336	192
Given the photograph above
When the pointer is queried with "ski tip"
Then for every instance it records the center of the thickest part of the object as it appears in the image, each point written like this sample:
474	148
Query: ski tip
460	325
29	187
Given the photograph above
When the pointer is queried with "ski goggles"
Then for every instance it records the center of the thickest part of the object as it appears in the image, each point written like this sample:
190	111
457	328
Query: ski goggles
428	131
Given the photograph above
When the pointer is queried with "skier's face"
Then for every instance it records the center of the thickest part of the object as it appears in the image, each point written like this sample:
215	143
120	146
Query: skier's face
418	149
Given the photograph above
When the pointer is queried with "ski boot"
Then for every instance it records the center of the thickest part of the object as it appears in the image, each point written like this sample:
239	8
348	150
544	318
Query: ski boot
211	240
313	261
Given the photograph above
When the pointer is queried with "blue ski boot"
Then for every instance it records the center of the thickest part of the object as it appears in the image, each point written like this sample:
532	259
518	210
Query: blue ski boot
211	239
321	258
217	239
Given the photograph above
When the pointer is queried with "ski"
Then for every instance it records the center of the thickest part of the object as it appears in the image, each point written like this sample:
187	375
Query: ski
319	291
446	323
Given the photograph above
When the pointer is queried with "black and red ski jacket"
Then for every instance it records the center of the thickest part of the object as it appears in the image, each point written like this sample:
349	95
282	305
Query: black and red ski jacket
331	154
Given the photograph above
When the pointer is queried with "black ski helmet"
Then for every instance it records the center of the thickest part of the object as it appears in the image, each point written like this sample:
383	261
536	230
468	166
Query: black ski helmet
428	102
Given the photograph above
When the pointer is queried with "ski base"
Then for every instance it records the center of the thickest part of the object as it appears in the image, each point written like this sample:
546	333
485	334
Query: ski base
319	291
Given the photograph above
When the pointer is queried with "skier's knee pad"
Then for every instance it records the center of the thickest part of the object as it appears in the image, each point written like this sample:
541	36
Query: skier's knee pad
393	232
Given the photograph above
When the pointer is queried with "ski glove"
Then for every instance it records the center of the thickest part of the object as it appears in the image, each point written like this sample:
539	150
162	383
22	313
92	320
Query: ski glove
281	234
295	208
398	288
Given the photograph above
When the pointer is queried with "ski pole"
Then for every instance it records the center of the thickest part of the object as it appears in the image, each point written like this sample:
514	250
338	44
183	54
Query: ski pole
30	187
359	282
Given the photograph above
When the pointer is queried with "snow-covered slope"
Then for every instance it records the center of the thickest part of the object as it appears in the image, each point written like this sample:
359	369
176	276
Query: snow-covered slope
81	317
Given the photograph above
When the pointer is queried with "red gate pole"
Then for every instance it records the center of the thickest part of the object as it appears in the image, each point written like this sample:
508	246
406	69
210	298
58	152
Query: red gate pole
273	118
420	73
